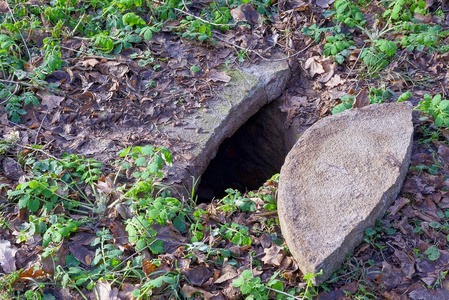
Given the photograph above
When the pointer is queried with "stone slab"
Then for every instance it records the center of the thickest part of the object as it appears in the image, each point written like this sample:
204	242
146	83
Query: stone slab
249	89
341	175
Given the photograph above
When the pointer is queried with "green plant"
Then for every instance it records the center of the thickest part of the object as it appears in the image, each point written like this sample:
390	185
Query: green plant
337	45
141	235
404	96
15	104
60	227
168	281
436	107
197	227
421	36
432	253
346	103
235	233
379	95
251	286
315	31
347	12
148	161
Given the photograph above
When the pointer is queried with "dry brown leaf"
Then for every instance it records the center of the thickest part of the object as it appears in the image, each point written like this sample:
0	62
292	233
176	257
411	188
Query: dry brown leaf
91	62
3	7
127	291
103	291
361	99
273	255
335	81
228	272
199	275
190	291
391	276
49	100
407	263
217	76
7	256
245	13
148	267
324	3
82	254
313	66
398	204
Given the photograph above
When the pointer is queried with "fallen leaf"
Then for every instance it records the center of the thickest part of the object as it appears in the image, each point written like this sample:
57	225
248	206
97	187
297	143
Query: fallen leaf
335	81
7	256
228	272
429	294
82	254
12	169
361	99
49	100
313	66
190	291
215	76
391	276
246	13
3	7
398	204
407	263
91	62
199	275
148	267
273	255
265	240
443	150
127	291
324	3
103	291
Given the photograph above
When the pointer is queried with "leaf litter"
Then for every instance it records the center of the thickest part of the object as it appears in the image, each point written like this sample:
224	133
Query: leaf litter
115	101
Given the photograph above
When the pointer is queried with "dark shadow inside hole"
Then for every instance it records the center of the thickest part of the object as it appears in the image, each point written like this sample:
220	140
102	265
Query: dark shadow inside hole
247	159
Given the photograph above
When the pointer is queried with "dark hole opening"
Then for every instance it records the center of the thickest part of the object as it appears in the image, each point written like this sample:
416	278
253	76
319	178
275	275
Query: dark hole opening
252	155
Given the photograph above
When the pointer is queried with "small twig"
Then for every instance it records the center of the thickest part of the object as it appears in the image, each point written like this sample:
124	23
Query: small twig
284	293
185	5
76	27
23	39
38	150
267	213
355	63
202	20
40	127
12	94
258	54
47	89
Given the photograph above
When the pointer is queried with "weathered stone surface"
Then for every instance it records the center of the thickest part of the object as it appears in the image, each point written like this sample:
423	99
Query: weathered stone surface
342	175
249	90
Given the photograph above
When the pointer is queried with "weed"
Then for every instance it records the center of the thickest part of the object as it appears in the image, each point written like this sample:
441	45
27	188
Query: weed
404	96
432	253
346	103
142	235
348	12
338	46
379	95
250	285
421	36
235	233
315	31
169	280
437	108
60	227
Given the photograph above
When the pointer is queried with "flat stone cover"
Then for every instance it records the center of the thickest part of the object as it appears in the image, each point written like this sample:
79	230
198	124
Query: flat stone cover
342	175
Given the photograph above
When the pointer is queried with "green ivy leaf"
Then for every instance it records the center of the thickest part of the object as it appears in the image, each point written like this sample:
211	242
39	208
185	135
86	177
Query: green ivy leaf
432	253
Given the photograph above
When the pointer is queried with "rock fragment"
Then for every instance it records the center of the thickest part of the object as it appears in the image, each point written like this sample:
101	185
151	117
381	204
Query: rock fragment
342	175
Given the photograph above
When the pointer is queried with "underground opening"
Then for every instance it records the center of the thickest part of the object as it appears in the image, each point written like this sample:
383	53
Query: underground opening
254	153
